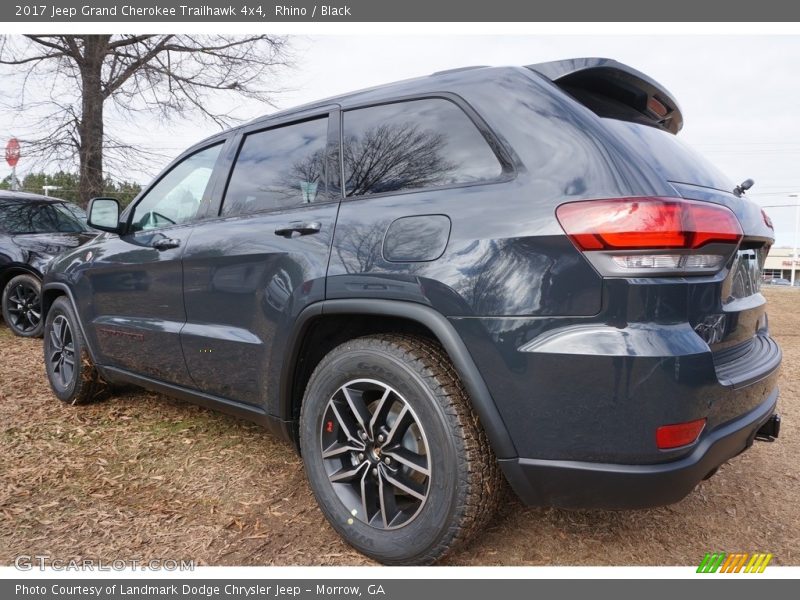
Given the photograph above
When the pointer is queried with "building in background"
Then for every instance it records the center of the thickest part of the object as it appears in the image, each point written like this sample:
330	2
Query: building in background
779	264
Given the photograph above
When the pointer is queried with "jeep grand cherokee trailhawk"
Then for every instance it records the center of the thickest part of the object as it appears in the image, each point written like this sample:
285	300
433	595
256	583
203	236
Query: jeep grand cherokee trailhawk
433	284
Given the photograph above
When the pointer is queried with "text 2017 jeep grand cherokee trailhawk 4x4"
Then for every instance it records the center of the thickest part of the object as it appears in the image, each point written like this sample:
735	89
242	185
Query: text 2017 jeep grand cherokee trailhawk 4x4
430	283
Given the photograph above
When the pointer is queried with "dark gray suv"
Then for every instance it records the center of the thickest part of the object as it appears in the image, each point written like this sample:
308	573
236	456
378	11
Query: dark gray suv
433	284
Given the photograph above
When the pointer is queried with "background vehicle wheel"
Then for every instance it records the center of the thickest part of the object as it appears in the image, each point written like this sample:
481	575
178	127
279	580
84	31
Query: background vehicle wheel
22	306
70	371
395	456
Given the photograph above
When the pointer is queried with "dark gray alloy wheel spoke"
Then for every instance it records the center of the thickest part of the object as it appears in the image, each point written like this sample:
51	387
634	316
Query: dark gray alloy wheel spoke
389	510
337	449
412	460
406	485
345	475
23	307
62	350
375	453
55	341
369	496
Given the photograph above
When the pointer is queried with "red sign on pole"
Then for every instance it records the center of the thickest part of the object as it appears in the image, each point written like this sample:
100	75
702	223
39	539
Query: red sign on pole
12	152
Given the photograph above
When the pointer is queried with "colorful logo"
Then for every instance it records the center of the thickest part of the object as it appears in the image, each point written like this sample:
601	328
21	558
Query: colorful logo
734	563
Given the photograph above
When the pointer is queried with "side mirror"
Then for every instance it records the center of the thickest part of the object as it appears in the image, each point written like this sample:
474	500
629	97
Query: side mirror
103	214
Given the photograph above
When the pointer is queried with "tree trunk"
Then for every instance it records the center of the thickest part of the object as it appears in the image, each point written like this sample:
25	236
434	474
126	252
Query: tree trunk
90	127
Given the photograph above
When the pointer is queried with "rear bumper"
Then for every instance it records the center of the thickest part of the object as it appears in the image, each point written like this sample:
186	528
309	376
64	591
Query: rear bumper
575	484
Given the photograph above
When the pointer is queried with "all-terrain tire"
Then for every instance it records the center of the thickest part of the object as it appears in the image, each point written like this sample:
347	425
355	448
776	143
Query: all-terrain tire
70	371
464	484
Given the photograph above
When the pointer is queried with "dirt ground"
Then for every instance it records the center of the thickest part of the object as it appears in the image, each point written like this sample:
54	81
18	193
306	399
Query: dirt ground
143	476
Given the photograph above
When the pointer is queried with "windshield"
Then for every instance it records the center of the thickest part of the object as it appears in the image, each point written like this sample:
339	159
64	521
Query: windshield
75	210
38	217
669	156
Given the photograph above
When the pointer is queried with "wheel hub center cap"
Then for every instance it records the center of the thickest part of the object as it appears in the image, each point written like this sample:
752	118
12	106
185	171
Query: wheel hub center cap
374	454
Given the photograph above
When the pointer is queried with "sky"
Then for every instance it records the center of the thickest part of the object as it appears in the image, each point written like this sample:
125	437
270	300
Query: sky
740	94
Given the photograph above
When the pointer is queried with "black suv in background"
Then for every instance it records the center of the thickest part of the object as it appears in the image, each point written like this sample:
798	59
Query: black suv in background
33	229
430	283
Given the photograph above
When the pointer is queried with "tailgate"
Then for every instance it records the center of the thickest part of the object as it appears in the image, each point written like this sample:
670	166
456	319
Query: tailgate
733	318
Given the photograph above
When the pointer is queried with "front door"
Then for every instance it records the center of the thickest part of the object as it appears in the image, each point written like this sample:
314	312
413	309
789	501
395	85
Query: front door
137	278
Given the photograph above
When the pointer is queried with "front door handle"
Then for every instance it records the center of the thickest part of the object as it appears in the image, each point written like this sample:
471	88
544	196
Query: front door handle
301	228
166	243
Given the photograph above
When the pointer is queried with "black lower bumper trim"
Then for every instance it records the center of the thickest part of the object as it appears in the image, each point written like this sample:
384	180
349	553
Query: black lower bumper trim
575	484
761	358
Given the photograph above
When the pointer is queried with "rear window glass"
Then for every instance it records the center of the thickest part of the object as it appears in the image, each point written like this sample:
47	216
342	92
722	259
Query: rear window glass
413	145
669	156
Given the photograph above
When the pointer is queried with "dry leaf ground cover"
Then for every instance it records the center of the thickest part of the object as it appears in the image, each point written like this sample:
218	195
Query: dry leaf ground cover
143	476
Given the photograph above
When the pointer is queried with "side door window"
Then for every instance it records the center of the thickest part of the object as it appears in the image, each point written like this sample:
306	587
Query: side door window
177	197
279	168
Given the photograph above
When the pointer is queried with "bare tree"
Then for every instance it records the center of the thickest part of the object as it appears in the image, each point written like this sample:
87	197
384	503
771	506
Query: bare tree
392	157
169	75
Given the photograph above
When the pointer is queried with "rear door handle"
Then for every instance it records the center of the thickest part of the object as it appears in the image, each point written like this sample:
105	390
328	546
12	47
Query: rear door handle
166	243
301	228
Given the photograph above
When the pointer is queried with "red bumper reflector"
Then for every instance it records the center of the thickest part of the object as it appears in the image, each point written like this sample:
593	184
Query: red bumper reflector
679	434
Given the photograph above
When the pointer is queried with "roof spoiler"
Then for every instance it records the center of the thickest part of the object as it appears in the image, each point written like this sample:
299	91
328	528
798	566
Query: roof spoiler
611	79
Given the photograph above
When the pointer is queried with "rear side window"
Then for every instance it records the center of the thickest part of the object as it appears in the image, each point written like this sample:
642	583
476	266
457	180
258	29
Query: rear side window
669	156
279	168
412	145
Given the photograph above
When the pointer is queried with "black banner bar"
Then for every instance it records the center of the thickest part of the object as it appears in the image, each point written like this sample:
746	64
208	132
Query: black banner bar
392	589
342	11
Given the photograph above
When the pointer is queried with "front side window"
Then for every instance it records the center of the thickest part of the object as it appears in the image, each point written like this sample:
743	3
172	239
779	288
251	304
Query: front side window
38	217
413	145
177	197
279	168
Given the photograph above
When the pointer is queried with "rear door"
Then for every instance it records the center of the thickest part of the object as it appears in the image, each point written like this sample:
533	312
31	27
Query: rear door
249	270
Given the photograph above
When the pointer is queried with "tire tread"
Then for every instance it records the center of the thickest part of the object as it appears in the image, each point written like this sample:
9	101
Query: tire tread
89	386
478	471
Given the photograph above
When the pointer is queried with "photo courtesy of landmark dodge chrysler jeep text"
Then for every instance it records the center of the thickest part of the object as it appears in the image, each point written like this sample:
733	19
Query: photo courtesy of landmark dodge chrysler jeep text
431	285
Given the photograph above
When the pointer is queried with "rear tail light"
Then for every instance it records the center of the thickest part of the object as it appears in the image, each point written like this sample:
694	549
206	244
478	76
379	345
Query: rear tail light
679	434
669	261
627	236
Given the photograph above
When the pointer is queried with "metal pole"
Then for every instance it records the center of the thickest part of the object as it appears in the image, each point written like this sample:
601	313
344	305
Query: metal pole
796	230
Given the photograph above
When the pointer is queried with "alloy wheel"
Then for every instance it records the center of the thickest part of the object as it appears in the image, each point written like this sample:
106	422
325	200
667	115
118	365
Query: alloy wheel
24	308
62	351
375	454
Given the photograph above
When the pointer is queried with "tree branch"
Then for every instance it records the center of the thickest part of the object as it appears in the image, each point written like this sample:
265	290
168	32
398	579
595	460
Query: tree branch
169	76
